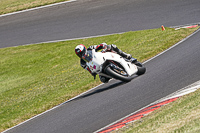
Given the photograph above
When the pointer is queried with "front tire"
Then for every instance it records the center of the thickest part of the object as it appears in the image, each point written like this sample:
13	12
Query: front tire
116	75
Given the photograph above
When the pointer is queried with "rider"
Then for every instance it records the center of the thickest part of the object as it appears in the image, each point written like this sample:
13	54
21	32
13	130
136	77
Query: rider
81	51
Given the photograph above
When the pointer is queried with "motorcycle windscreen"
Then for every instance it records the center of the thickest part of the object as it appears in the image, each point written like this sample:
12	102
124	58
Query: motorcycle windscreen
88	56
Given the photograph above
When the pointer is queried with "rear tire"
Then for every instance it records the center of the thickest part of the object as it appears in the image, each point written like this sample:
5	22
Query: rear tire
141	68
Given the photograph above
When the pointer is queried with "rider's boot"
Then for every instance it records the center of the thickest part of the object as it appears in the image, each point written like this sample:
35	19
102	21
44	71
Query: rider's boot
123	54
104	79
129	57
120	52
133	60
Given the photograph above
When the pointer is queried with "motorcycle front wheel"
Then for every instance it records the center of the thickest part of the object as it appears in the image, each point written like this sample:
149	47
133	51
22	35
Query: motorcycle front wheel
117	74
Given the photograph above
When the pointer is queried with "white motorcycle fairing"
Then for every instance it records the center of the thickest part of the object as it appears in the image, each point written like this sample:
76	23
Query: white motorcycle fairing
98	59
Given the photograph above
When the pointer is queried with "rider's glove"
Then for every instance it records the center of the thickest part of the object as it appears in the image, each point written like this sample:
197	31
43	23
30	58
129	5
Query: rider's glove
106	48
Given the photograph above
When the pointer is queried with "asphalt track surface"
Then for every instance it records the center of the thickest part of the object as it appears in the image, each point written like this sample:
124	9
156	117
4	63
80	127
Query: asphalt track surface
107	103
84	18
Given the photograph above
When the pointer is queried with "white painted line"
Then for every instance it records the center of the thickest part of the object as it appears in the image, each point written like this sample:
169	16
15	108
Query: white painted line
189	26
37	8
177	95
184	91
71	39
185	25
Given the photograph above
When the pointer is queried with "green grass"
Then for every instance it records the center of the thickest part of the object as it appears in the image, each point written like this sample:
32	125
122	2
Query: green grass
35	78
181	116
7	6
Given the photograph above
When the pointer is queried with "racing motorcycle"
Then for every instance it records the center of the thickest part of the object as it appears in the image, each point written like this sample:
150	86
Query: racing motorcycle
112	65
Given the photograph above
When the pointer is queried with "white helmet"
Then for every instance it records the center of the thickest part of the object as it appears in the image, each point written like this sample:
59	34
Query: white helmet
80	50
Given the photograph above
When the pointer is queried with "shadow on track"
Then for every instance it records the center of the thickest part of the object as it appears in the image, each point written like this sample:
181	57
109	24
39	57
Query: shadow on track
103	88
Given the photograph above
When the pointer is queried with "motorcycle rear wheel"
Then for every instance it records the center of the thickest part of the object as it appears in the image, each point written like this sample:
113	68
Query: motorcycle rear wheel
141	68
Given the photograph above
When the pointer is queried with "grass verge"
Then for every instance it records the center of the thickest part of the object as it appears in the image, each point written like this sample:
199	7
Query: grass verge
35	78
181	116
8	6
